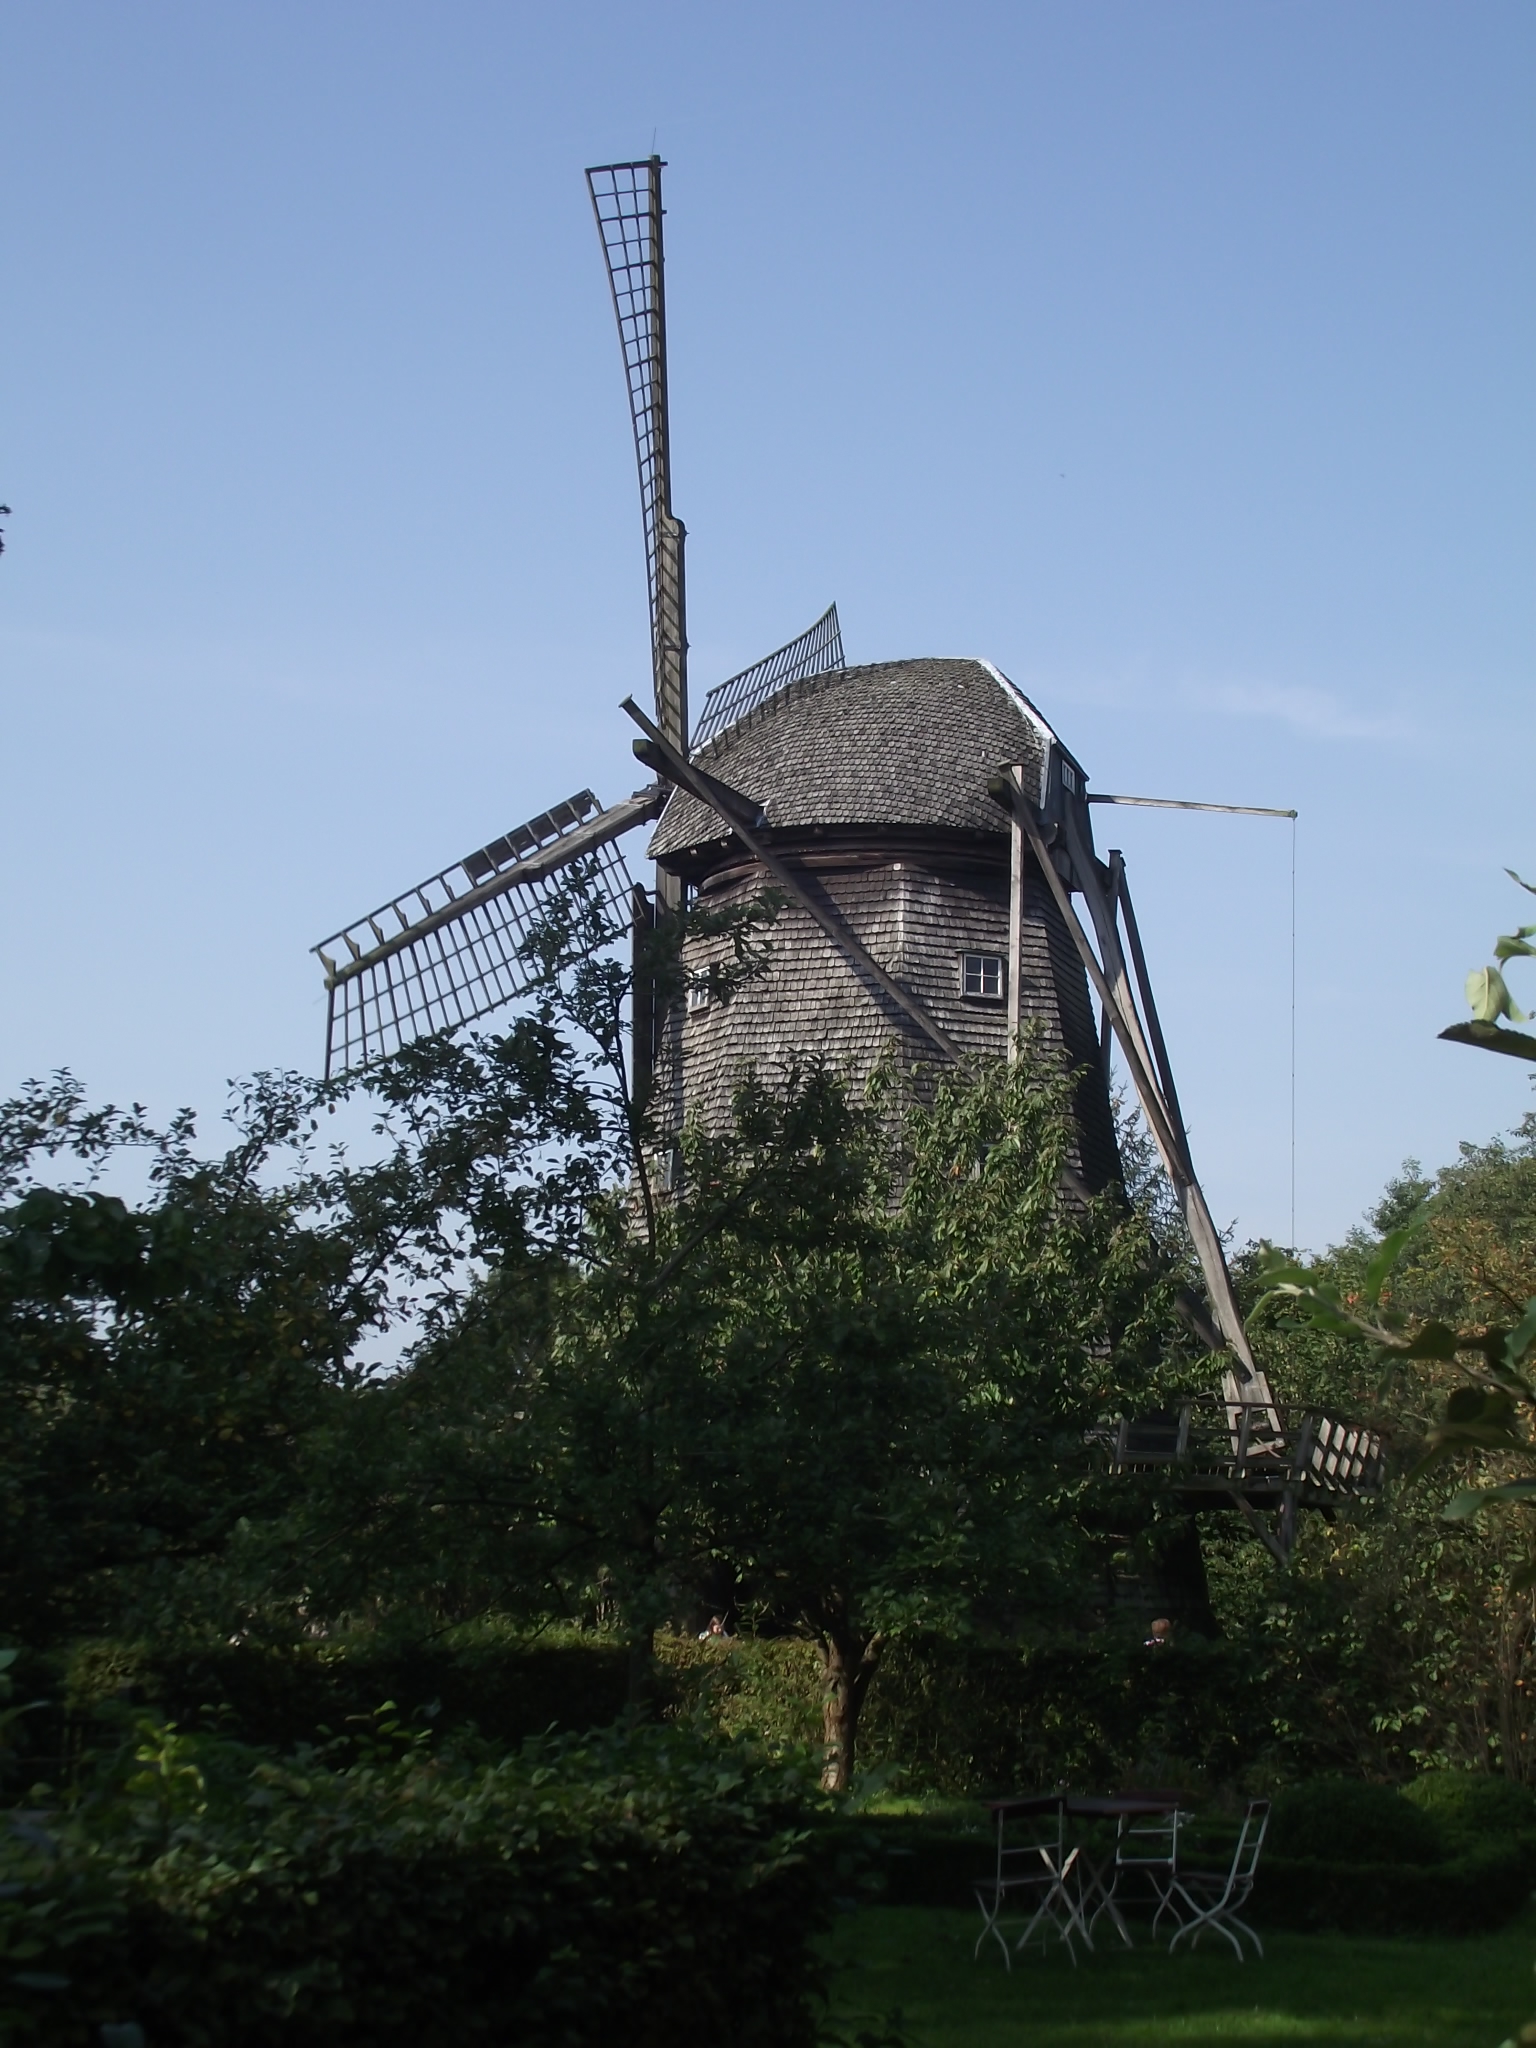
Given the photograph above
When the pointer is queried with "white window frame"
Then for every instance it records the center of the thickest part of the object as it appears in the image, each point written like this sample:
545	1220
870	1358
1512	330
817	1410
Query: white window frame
988	967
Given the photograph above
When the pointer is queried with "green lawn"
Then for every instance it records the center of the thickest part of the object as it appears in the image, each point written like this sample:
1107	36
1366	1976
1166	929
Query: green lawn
1328	1989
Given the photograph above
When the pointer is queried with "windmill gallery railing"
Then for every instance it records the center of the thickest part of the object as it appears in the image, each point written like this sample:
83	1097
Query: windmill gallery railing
812	653
1254	1454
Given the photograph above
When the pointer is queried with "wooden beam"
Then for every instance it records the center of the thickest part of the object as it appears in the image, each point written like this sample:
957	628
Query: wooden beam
545	860
1085	870
1192	1203
823	912
1116	877
1154	1022
1175	803
1015	918
642	1001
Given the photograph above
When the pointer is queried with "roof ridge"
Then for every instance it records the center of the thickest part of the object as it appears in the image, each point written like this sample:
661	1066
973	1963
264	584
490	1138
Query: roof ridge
812	685
884	744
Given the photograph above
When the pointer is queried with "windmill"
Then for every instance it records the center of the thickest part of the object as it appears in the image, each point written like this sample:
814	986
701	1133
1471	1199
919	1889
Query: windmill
928	832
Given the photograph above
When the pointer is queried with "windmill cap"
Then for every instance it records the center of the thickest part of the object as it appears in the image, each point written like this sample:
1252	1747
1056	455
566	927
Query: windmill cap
893	744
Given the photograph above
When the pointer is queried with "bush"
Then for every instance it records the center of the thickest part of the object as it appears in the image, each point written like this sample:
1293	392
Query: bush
972	1718
1451	1855
1466	1895
275	1696
1339	1820
649	1885
1471	1808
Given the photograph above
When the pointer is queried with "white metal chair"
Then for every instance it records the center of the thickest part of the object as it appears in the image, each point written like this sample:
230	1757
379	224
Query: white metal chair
1214	1897
1034	1865
1146	1849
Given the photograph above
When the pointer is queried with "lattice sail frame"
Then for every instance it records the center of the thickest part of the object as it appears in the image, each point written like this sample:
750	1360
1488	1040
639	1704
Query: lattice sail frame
626	200
451	950
817	651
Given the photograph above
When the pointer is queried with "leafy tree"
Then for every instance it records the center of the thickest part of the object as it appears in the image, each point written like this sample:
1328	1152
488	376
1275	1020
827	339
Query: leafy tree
847	1371
1438	1309
169	1369
847	1367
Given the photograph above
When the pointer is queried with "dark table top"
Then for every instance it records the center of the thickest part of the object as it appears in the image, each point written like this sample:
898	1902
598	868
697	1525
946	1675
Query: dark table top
1084	1806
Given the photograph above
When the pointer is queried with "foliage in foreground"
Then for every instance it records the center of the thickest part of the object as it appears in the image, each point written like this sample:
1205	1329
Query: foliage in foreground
645	1884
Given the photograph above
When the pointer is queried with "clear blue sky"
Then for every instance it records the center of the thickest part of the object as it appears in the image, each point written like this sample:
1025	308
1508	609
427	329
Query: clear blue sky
1175	356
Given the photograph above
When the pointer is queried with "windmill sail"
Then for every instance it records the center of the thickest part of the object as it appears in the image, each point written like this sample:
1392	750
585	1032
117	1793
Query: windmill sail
816	651
450	950
626	198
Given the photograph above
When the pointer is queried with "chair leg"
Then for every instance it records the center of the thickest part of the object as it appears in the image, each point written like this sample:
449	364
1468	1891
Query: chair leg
990	1926
1243	1924
1046	1910
1204	1923
1164	1905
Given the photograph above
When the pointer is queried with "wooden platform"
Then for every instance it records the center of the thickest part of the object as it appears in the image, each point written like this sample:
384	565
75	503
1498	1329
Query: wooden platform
1266	1460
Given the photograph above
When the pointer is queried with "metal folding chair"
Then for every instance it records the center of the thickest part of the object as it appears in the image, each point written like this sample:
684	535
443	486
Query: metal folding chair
1146	1849
1214	1897
1034	1865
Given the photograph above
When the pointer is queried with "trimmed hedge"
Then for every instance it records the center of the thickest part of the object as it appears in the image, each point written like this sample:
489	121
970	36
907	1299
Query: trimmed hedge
1465	1895
647	1885
1450	1854
982	1718
1344	1820
1473	1807
505	1686
960	1718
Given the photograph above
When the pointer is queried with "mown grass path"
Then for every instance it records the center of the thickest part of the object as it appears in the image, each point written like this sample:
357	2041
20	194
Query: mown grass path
1336	1991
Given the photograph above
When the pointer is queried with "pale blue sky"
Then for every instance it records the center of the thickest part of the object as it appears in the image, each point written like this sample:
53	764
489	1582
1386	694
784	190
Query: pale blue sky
1174	356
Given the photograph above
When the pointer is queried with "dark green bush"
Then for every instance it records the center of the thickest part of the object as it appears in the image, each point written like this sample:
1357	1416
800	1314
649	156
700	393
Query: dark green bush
1340	1820
973	1718
275	1696
1466	1895
646	1885
1471	1808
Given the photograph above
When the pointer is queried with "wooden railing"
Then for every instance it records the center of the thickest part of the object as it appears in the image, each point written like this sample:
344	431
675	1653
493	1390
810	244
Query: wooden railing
1256	1449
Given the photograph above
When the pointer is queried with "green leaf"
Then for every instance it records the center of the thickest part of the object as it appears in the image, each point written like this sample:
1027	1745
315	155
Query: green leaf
1516	945
1472	1404
1489	998
1387	1254
1520	1339
1529	886
1520	1044
1513	1493
1463	1504
1435	1340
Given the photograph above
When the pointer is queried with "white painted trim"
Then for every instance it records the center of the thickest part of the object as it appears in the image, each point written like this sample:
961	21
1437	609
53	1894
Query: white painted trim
1047	736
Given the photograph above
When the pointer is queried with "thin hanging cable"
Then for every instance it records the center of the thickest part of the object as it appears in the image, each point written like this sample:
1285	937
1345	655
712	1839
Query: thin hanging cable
1293	1031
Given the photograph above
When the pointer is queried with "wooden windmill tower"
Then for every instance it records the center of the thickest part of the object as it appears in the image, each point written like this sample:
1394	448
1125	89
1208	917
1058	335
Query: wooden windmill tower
931	837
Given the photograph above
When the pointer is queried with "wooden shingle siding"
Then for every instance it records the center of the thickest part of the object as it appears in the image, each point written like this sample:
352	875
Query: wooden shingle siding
874	786
898	743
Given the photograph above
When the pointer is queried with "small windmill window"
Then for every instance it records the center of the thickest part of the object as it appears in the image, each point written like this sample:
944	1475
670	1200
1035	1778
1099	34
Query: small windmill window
698	997
981	974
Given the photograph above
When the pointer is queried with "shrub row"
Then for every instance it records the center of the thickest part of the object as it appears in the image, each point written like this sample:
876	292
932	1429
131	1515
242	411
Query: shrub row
1464	1895
956	1718
276	1696
650	1885
973	1719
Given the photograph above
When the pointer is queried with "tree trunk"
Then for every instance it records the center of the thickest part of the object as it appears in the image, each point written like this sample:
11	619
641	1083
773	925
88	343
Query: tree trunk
847	1666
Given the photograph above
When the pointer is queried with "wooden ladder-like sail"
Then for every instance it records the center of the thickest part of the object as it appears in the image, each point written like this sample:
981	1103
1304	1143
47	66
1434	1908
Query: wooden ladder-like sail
626	199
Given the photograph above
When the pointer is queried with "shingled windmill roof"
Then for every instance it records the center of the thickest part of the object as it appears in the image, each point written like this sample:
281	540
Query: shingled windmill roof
905	743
